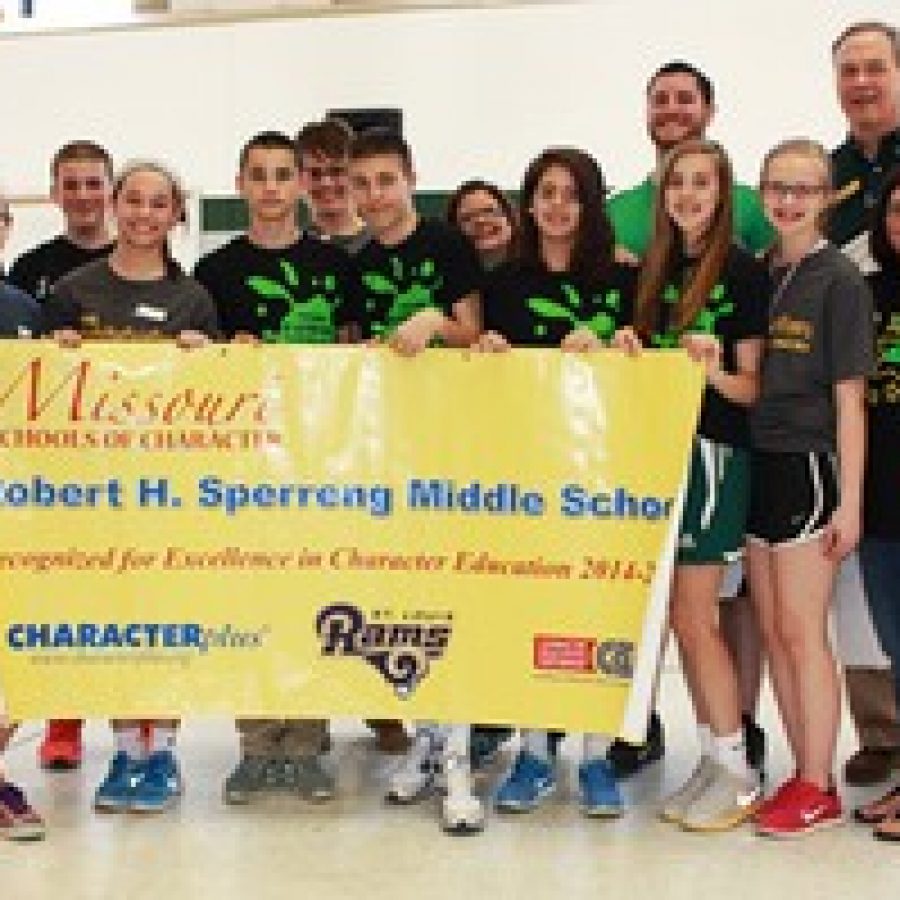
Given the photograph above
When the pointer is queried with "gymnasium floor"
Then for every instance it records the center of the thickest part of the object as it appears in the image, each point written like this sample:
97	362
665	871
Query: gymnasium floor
357	847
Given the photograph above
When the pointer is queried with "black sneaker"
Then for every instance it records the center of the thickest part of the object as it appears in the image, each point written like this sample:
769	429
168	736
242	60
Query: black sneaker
755	742
629	759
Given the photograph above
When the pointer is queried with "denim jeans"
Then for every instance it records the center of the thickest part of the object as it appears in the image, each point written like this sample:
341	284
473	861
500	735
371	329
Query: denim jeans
879	561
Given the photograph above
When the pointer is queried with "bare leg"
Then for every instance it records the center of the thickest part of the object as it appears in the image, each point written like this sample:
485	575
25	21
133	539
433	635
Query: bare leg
804	579
740	629
708	665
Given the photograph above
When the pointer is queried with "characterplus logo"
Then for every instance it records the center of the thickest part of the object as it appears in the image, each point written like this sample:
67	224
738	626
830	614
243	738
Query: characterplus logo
101	637
402	651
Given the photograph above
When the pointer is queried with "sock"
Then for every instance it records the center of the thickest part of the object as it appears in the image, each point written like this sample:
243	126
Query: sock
595	746
162	738
457	742
706	740
535	742
731	752
130	742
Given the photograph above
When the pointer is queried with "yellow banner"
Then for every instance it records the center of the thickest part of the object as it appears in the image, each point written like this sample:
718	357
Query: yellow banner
338	531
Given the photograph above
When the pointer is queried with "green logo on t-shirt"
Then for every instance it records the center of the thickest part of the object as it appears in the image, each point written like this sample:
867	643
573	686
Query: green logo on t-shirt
311	302
707	321
602	323
409	291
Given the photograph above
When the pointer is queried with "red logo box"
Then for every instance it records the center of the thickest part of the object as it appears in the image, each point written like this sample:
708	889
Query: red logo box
560	653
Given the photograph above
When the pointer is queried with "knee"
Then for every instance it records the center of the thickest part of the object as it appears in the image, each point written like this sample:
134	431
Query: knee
797	637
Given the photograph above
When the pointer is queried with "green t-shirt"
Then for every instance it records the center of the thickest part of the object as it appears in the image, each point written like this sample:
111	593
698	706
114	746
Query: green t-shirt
631	213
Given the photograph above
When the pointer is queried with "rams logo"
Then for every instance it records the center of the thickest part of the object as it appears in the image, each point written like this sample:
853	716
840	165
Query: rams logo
401	651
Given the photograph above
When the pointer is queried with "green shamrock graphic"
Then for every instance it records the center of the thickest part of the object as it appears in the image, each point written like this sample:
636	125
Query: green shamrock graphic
308	317
602	324
410	291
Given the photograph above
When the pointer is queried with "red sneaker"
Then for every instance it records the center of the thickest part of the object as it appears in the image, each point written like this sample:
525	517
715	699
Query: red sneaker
803	808
778	797
61	747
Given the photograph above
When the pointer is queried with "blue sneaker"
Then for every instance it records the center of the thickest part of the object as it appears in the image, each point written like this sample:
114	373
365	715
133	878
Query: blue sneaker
117	789
599	790
530	781
159	785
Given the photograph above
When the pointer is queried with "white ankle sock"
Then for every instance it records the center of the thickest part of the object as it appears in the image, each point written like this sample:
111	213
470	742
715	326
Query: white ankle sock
731	752
706	741
457	742
130	741
162	738
536	743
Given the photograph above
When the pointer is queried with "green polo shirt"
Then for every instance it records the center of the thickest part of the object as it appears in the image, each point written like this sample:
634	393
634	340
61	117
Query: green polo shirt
631	213
850	217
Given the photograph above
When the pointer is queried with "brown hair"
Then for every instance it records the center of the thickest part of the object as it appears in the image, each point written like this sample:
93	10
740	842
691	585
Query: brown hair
382	142
592	255
330	138
664	246
81	150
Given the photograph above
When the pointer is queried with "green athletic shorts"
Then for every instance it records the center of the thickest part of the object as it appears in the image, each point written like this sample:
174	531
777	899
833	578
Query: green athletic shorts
714	520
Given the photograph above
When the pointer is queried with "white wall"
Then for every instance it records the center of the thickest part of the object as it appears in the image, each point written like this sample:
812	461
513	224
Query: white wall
482	90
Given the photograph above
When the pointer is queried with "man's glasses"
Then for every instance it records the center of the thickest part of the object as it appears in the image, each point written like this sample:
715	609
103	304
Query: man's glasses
800	191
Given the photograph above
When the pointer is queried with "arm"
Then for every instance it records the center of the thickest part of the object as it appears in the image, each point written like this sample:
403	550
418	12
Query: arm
459	330
843	531
742	386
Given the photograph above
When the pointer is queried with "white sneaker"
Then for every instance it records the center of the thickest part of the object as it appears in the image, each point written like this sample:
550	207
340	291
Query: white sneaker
676	805
416	777
461	811
727	801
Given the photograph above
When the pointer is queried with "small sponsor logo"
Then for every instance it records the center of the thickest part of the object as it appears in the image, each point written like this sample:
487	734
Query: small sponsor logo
616	658
559	653
401	649
584	655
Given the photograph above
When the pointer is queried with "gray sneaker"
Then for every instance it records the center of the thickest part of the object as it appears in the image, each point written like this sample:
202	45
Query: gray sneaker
727	801
252	776
305	775
676	805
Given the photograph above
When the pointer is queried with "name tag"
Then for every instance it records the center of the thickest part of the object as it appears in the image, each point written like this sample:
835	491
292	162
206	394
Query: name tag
150	312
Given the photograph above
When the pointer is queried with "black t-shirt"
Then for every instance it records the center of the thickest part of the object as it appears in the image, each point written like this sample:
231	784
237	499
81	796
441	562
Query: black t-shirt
532	307
434	268
300	294
737	310
36	271
881	515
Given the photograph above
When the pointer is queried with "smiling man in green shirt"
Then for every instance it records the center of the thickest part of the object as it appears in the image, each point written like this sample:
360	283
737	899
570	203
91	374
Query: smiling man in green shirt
680	106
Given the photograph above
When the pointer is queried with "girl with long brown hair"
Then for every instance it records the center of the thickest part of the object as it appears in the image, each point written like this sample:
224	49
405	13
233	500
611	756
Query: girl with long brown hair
699	291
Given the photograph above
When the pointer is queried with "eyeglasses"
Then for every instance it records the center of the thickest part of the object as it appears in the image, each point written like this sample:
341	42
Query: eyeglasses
319	173
485	212
800	191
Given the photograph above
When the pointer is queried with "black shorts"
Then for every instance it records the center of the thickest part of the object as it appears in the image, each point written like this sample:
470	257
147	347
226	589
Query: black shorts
792	496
